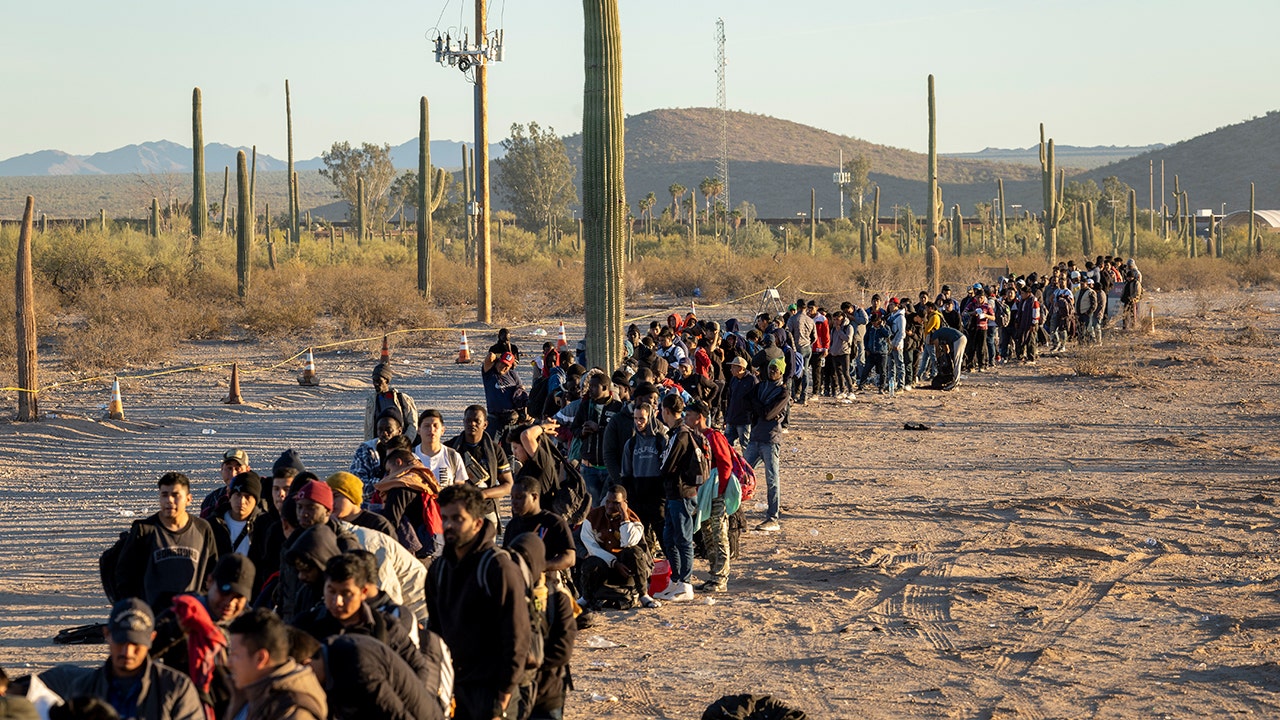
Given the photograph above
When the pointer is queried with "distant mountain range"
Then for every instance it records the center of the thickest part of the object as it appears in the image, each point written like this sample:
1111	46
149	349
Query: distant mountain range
773	165
164	156
1068	156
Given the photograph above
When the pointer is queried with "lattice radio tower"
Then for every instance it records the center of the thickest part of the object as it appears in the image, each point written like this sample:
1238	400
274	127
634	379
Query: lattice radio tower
722	165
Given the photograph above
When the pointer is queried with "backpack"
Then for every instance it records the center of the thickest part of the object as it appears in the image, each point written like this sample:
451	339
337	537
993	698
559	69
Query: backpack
1003	314
109	560
535	603
569	500
745	473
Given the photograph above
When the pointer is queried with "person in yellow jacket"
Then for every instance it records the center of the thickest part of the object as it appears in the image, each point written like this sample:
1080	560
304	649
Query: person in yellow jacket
928	366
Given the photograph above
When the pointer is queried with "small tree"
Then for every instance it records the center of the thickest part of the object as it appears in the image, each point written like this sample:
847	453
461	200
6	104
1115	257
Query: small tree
535	175
343	164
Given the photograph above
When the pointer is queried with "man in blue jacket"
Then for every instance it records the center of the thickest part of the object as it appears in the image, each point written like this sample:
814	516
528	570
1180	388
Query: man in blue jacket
737	408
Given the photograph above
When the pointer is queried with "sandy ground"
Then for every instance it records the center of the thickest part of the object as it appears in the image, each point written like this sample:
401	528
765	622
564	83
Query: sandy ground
1058	545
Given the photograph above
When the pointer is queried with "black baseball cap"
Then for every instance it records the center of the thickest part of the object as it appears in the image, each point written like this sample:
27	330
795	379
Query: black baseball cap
131	621
234	573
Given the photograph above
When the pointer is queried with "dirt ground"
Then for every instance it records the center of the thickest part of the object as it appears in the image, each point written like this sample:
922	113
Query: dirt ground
1094	536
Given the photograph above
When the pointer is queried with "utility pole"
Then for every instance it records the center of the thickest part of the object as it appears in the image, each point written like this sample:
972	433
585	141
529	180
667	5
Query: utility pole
469	57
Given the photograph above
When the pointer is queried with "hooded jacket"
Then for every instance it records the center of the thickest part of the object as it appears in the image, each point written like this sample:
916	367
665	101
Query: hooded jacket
769	405
365	679
685	465
290	692
738	399
321	625
486	626
317	544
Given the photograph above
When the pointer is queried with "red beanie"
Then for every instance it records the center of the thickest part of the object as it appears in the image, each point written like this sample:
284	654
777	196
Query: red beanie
317	491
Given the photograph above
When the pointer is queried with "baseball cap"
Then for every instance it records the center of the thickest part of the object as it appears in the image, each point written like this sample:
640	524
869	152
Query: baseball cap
234	573
507	357
946	288
236	455
977	286
131	621
739	361
317	491
248	483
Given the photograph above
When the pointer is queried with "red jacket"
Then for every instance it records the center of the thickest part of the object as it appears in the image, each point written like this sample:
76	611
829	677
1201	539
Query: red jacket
823	343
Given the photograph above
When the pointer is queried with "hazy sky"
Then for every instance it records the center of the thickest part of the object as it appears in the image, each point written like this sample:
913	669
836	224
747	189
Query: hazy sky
86	75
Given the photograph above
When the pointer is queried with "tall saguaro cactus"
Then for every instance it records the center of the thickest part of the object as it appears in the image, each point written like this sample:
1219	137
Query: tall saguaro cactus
931	258
226	186
1052	188
604	197
957	229
244	225
874	230
1255	241
199	201
359	209
155	218
25	300
292	177
424	194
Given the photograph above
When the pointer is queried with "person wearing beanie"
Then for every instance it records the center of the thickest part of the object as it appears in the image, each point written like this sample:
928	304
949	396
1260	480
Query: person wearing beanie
233	529
234	462
283	471
384	398
348	495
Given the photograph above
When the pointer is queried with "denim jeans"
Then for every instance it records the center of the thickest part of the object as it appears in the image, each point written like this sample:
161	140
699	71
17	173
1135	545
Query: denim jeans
597	480
800	385
677	537
897	371
740	434
928	365
768	452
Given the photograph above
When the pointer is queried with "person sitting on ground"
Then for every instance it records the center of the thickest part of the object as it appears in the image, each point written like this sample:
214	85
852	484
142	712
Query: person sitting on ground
385	398
617	554
234	462
348	499
367	463
486	463
168	553
269	684
134	684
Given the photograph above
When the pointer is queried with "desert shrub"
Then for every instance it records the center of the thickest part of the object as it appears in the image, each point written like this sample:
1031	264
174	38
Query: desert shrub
130	326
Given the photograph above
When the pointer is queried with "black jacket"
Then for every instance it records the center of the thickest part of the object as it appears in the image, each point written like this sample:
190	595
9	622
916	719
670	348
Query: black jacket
616	434
321	625
562	631
687	464
366	679
222	534
738	400
768	405
487	630
601	414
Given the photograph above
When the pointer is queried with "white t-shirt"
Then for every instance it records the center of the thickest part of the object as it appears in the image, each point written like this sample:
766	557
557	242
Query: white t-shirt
447	465
234	527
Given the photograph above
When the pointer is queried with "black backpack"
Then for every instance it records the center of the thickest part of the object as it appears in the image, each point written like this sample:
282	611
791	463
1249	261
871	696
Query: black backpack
569	499
110	560
535	602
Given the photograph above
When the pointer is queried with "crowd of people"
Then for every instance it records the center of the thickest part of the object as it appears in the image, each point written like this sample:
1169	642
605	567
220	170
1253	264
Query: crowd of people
395	588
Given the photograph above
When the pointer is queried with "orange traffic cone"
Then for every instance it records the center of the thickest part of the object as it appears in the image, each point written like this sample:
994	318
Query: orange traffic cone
386	351
464	350
115	410
233	395
308	376
563	340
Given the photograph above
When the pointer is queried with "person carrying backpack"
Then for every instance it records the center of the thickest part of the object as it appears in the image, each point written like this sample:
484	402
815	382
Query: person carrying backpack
684	469
552	621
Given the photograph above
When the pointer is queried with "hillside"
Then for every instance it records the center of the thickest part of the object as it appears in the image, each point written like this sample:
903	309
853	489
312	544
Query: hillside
1069	156
773	163
1214	168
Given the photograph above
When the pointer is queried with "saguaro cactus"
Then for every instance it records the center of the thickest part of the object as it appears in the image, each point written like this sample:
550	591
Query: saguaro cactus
604	197
1133	224
25	300
862	241
226	185
931	269
813	221
1084	229
244	225
424	194
292	177
874	230
957	229
1052	188
466	207
359	209
199	202
155	218
102	220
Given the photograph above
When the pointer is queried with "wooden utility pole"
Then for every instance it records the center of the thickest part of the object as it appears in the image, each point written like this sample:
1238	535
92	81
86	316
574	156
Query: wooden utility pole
24	296
484	301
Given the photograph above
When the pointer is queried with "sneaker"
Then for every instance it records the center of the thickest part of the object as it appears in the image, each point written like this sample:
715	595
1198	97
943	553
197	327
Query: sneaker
712	586
769	526
683	592
649	602
666	592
